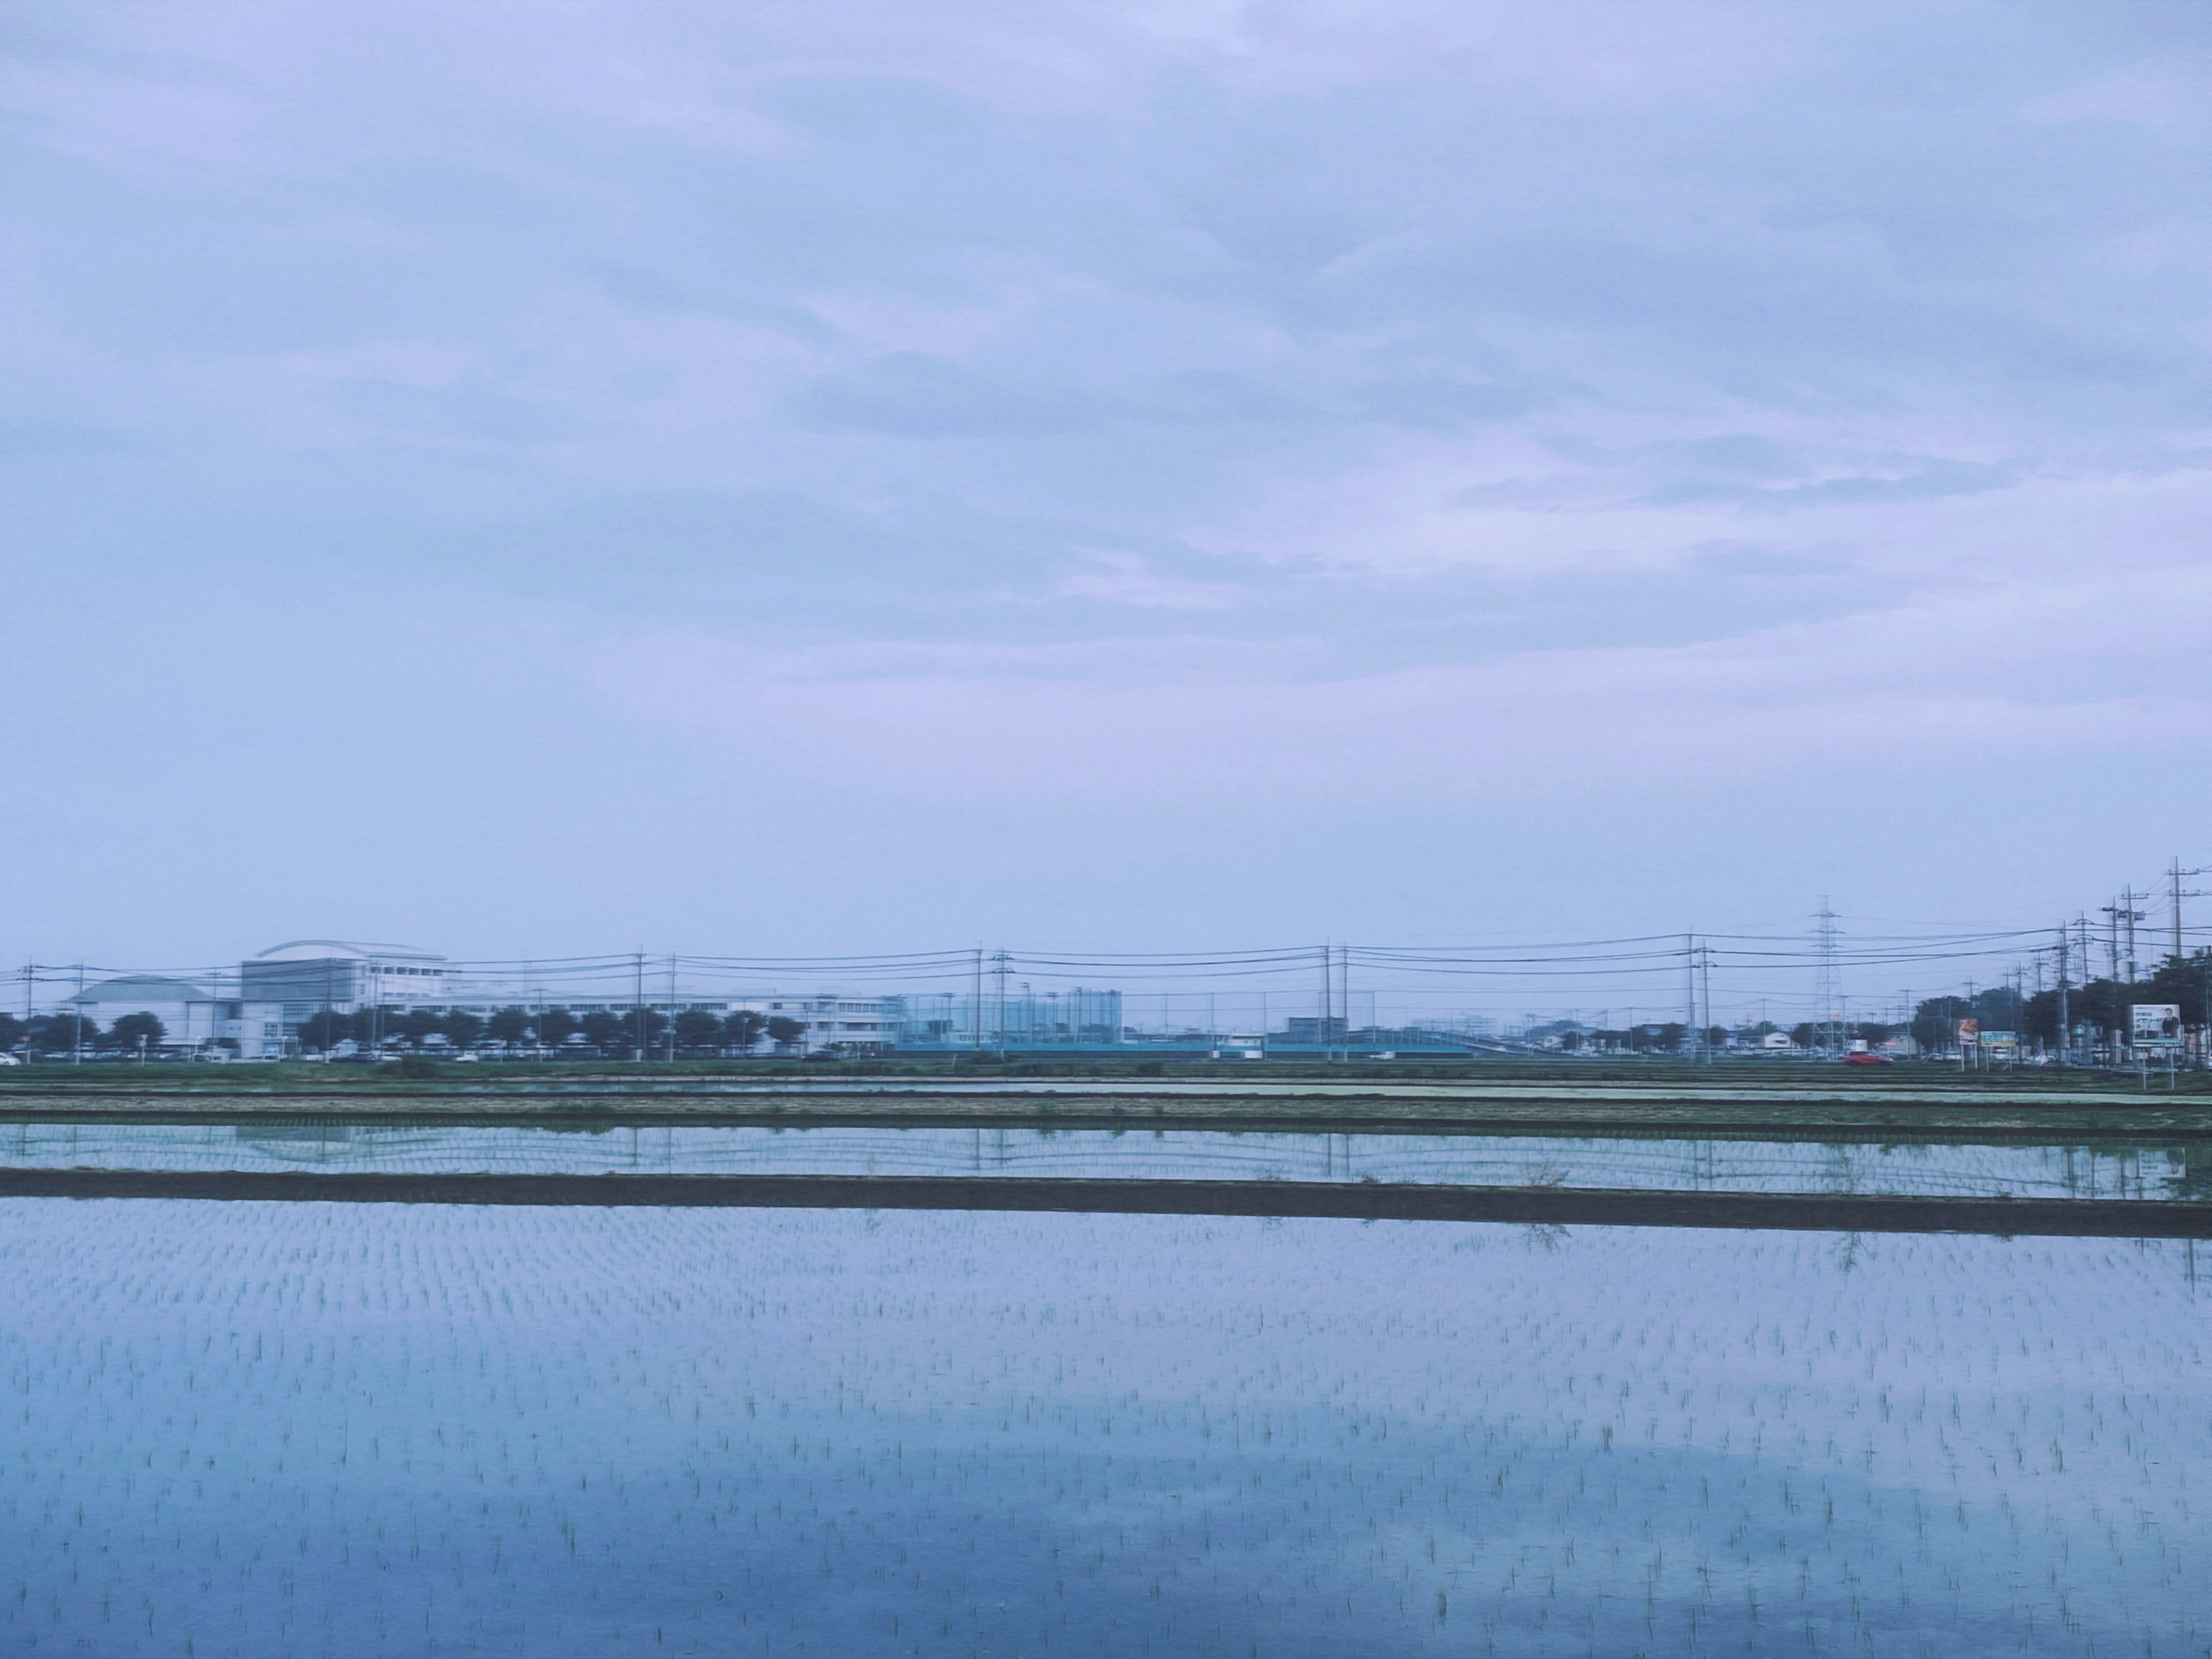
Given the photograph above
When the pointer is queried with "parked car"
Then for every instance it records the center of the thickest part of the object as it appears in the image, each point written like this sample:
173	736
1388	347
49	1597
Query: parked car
1866	1060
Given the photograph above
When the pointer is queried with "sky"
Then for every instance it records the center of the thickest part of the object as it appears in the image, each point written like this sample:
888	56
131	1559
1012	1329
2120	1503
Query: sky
814	478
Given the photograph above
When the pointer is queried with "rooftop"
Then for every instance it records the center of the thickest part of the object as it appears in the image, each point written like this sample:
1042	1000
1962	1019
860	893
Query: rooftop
142	987
327	949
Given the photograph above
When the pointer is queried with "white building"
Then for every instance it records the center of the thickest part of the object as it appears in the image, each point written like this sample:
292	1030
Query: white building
852	1024
303	977
192	1017
310	975
190	1014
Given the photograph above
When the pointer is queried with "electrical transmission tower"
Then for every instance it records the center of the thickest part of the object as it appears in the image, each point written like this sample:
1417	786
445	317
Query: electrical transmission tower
1825	993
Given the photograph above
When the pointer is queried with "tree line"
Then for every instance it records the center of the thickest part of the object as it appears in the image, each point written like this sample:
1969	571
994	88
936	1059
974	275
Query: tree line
66	1032
693	1030
2099	1006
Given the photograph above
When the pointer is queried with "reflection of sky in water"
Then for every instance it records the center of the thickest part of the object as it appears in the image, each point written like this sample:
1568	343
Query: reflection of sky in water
1654	1164
318	1429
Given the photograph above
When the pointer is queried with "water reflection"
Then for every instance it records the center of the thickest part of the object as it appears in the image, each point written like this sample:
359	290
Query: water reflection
337	1429
1649	1165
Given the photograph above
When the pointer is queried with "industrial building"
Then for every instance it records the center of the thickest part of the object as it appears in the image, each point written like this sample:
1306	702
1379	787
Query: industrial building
1055	1022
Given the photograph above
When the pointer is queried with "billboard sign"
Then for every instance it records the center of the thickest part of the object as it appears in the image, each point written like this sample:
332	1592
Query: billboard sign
2155	1025
2000	1040
1970	1033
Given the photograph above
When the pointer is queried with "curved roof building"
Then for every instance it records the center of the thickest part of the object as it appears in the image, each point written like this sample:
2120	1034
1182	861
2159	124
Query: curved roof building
141	991
306	975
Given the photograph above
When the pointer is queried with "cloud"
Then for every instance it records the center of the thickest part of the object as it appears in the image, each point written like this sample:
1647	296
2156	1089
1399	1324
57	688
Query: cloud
1430	399
1124	579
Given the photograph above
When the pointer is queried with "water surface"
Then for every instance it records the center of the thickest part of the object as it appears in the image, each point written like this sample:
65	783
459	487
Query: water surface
343	1430
1651	1164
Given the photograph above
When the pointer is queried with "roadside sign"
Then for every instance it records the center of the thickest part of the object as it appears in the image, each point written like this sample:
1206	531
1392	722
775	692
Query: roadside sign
2000	1040
1970	1033
2156	1024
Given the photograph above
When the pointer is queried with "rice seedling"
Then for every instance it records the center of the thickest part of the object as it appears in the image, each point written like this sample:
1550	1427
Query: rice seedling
379	1430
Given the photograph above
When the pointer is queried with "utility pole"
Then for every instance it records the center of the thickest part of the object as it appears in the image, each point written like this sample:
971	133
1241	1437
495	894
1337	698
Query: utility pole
2081	938
637	1003
1002	964
2178	894
2065	1025
2175	874
978	999
1706	979
1344	994
1328	1002
76	1046
671	1008
1690	1033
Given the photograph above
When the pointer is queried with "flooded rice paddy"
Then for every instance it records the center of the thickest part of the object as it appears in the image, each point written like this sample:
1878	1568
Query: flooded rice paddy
1647	1164
327	1429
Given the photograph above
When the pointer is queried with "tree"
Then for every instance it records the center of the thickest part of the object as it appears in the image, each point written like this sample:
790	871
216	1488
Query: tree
783	1031
59	1034
1935	1023
2100	1004
2186	982
461	1027
508	1025
1998	1009
696	1029
13	1031
555	1026
323	1030
379	1024
134	1031
1805	1035
604	1031
743	1028
414	1026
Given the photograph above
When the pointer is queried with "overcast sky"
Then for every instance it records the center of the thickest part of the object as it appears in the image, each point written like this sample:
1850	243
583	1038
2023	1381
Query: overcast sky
835	476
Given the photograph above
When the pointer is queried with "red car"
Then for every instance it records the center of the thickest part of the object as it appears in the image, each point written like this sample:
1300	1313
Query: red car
1866	1060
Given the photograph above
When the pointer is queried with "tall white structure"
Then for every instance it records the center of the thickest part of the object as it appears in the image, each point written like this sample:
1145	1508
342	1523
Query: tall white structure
308	975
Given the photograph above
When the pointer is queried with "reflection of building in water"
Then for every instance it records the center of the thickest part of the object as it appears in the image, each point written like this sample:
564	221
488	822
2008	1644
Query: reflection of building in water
297	1143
